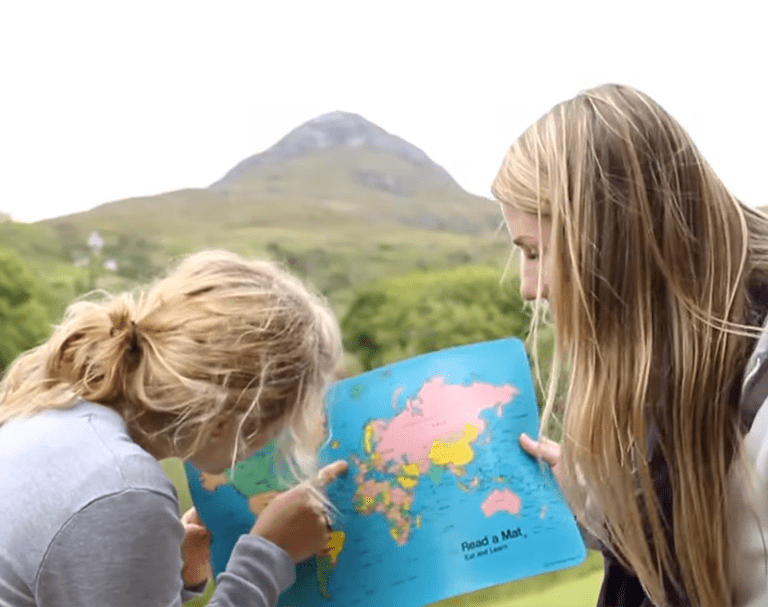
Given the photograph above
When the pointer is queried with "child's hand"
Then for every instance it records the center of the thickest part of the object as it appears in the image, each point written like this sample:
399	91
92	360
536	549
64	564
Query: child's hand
195	550
545	449
296	520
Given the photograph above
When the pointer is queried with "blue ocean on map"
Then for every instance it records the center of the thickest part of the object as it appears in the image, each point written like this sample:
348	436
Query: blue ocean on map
439	500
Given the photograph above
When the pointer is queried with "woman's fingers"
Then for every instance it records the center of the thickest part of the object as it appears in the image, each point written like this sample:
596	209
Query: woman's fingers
543	448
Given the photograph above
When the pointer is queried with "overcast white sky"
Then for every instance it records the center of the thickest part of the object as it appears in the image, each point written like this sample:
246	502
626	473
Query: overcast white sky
104	100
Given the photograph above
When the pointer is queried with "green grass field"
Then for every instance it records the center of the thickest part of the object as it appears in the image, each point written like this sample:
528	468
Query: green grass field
581	592
576	587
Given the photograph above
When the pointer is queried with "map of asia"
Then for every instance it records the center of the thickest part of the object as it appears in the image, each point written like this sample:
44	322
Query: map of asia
439	500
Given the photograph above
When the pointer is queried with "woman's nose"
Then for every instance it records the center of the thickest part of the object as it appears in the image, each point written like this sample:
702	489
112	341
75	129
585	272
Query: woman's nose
529	280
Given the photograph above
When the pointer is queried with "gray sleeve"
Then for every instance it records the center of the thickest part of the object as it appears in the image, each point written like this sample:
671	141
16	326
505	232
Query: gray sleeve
123	550
258	566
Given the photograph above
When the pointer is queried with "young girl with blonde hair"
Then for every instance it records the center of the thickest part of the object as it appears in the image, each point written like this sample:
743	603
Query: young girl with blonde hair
207	365
657	282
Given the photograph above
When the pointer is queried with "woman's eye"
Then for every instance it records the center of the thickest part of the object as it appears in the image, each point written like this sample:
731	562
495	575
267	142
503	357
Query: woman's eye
529	254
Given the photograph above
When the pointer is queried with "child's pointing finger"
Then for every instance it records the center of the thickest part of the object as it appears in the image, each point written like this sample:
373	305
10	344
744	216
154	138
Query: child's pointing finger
331	471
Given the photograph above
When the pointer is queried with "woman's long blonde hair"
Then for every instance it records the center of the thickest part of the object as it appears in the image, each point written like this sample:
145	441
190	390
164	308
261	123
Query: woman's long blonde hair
651	260
221	337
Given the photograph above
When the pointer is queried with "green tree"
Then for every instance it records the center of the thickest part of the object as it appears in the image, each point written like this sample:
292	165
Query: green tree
25	308
403	316
138	258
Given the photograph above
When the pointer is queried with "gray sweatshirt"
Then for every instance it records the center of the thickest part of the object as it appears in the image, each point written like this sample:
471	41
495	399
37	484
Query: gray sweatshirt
88	518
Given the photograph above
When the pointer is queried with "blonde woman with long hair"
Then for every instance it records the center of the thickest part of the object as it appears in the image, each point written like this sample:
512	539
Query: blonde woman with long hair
210	363
656	278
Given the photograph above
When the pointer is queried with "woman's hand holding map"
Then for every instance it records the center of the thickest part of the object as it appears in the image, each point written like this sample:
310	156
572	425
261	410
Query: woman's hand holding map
544	449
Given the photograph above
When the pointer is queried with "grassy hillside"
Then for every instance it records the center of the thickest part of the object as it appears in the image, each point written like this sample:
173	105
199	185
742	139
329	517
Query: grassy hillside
335	242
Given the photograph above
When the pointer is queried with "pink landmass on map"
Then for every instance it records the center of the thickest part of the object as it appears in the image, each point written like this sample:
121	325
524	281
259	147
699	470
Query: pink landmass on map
439	411
501	500
435	428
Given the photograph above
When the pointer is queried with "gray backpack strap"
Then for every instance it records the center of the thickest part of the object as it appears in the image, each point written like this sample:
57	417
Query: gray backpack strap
754	391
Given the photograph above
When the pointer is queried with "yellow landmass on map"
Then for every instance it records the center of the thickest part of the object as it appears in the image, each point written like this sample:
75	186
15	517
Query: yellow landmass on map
395	532
410	478
334	546
368	438
458	453
411	469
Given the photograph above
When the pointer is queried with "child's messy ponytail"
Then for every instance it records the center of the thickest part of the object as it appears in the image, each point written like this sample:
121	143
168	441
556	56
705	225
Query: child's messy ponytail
219	337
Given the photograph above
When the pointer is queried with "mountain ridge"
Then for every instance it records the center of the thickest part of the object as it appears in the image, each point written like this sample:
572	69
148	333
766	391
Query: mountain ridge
337	168
341	130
